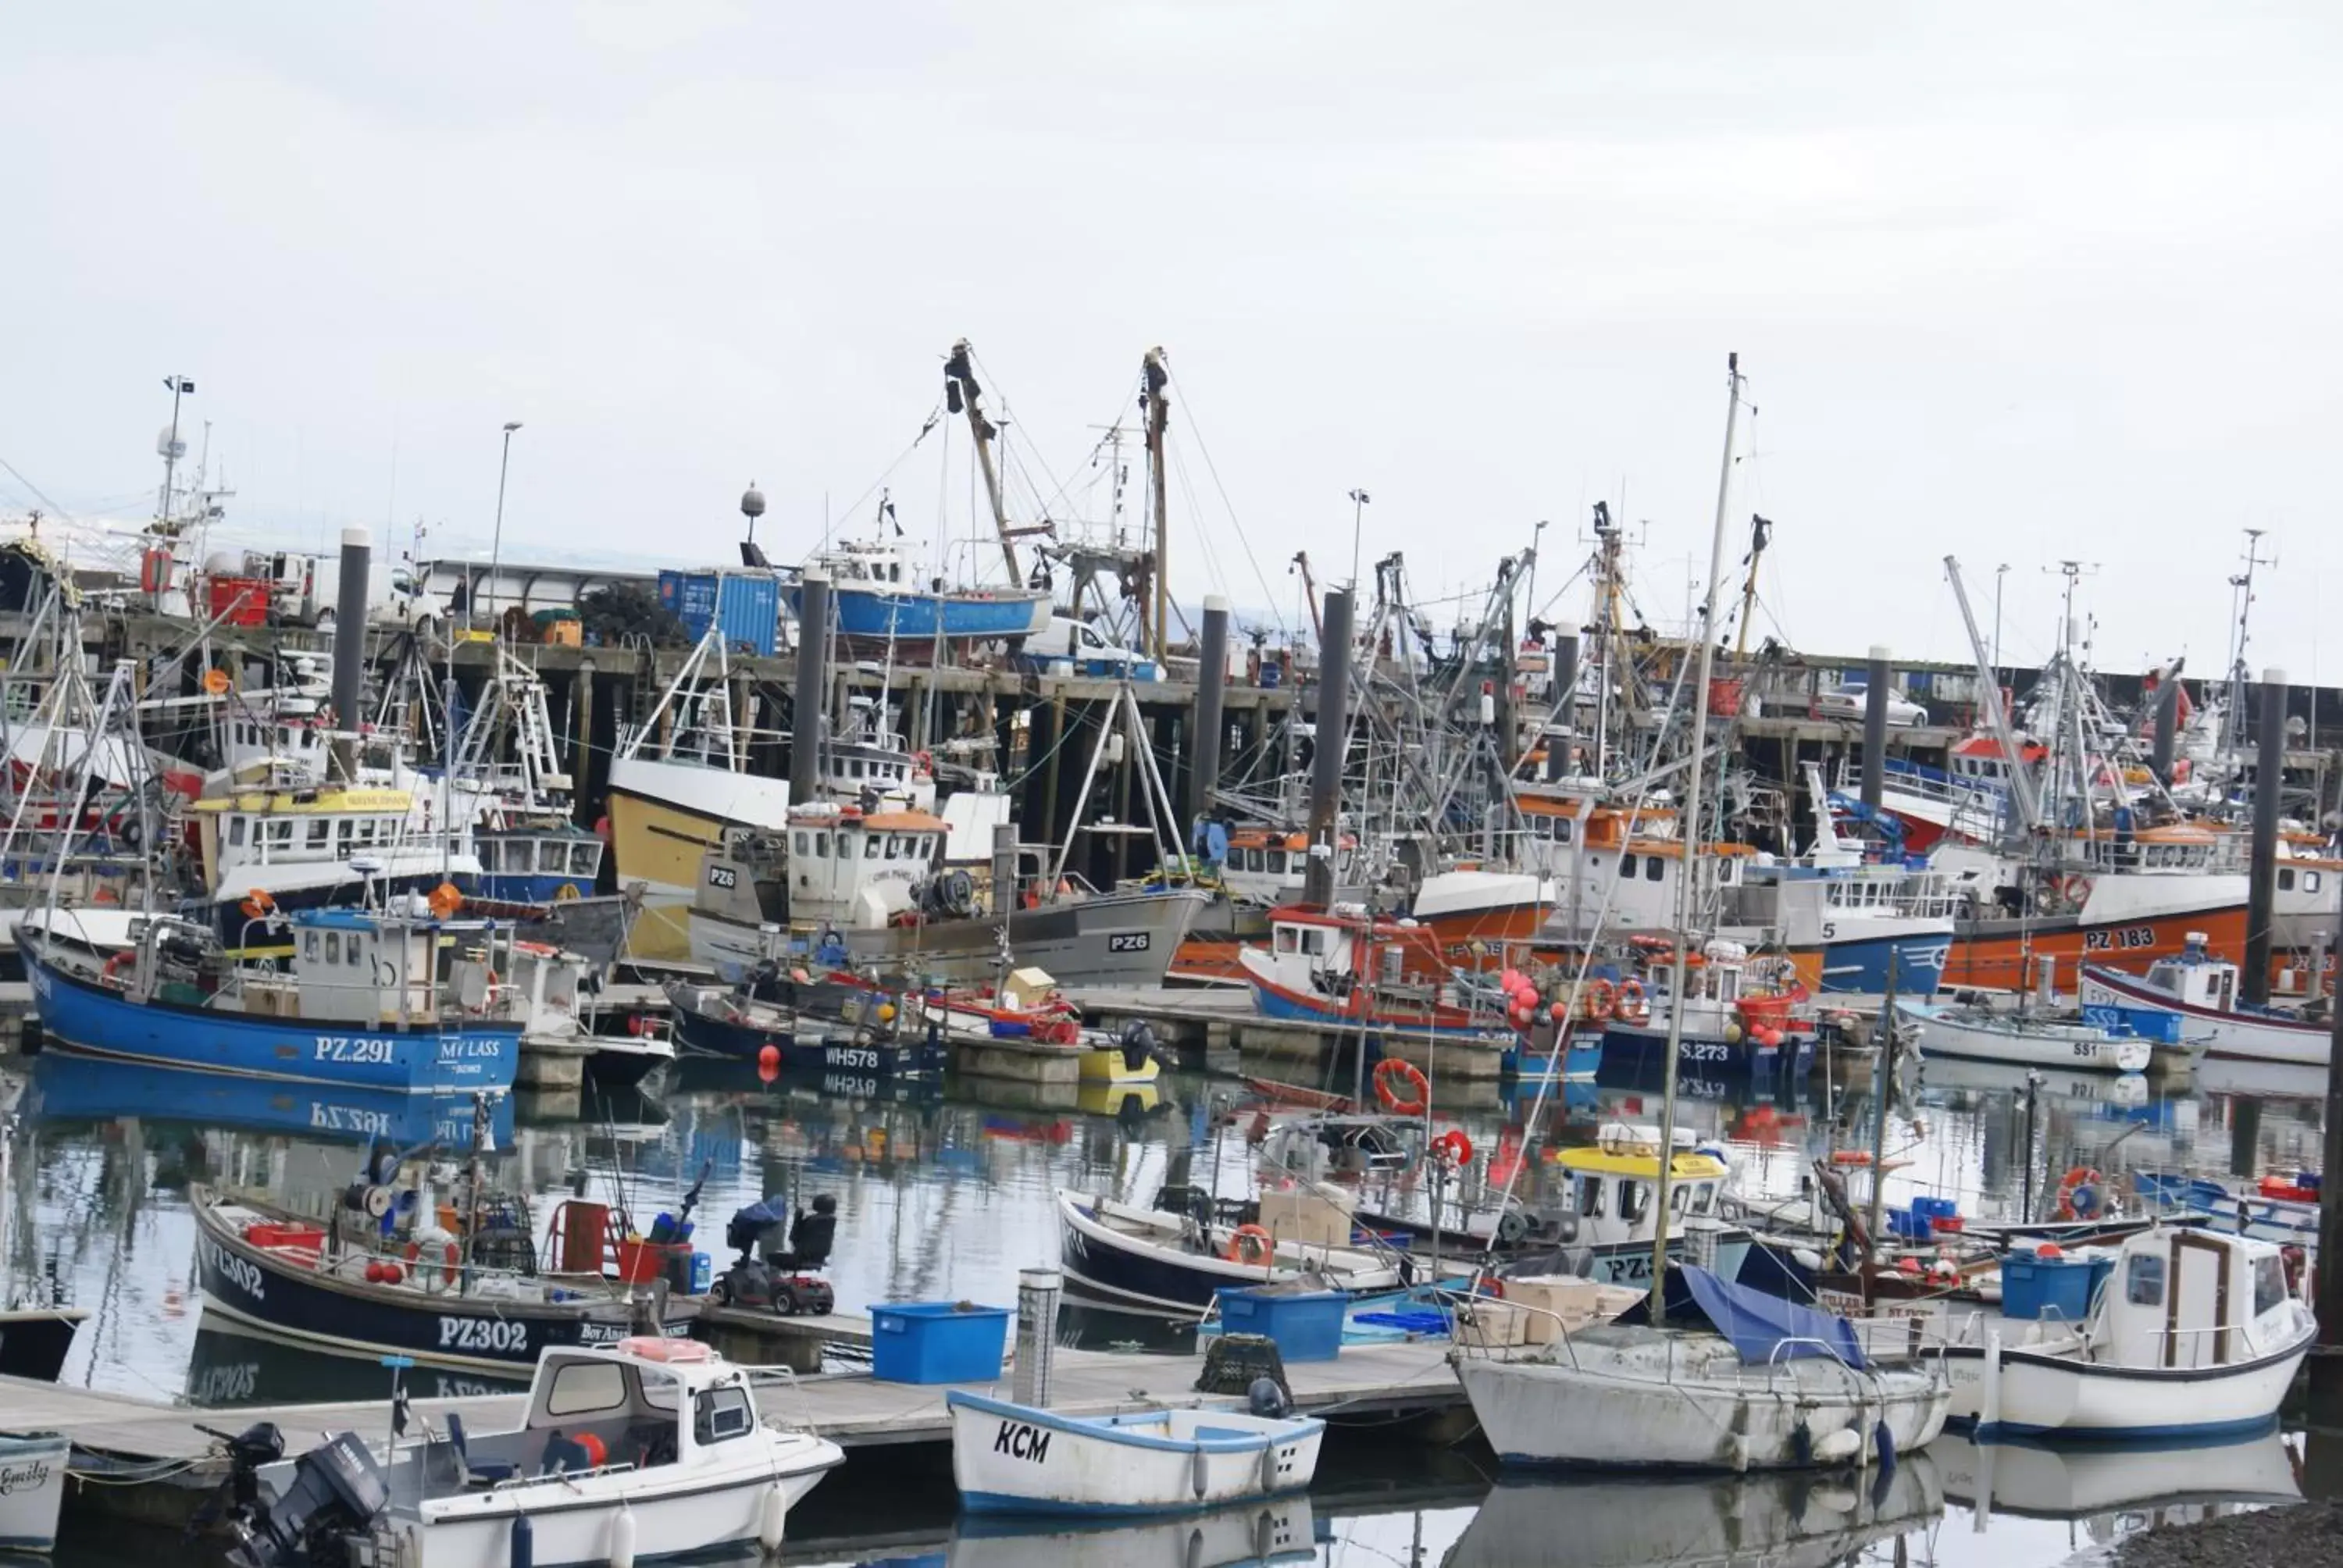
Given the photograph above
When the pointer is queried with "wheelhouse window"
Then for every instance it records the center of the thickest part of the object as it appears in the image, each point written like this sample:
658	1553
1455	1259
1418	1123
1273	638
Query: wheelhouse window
870	848
586	1388
2269	1284
1635	1199
2143	1279
236	832
1276	861
719	1414
1626	865
1654	868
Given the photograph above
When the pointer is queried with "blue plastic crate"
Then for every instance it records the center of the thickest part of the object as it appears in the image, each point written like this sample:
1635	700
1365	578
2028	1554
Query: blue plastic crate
2057	1288
1307	1326
937	1342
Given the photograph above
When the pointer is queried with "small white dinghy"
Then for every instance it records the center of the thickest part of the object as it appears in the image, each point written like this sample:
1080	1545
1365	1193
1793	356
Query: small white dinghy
32	1489
1735	1380
645	1449
1018	1459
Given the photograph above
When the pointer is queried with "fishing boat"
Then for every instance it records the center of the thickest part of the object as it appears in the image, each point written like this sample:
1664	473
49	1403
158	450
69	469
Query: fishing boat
2031	1040
2188	1334
2203	995
1742	1018
873	881
1247	1535
1176	1263
1733	1380
1390	980
32	1489
679	782
737	1021
398	998
650	1448
878	595
454	1296
1020	1459
2281	1207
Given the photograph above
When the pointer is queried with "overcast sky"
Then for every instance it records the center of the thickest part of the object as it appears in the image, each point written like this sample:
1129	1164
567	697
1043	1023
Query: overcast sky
2021	282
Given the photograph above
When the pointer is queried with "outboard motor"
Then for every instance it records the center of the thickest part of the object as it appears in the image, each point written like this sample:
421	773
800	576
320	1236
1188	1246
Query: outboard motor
336	1491
1138	1042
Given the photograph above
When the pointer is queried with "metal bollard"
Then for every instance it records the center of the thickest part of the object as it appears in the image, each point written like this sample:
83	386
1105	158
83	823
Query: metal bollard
1038	1291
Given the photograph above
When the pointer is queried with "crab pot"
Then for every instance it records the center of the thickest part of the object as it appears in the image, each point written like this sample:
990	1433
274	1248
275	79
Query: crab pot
1305	1325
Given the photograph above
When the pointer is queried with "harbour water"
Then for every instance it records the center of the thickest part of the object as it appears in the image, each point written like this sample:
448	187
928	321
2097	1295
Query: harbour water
945	1197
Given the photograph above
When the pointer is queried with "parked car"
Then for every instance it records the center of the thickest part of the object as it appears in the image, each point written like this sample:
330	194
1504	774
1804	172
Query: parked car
1850	700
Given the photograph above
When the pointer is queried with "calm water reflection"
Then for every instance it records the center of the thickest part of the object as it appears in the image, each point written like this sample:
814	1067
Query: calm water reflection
947	1194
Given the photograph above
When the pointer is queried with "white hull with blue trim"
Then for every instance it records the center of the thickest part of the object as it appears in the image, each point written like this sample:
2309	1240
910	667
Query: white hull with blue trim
32	1489
1018	1459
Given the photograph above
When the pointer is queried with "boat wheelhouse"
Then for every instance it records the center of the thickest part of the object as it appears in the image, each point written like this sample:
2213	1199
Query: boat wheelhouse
542	862
293	849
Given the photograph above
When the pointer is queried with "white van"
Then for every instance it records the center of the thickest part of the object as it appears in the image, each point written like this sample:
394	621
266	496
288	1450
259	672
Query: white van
1079	644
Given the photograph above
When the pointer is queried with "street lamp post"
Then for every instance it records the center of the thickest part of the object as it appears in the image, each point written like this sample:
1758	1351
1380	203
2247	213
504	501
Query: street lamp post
496	543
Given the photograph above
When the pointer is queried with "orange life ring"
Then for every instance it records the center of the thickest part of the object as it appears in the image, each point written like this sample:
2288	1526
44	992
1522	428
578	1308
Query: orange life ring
1453	1148
2085	1182
258	904
1850	1156
1634	1005
1601	1000
1392	1068
651	1347
447	1269
110	974
1250	1245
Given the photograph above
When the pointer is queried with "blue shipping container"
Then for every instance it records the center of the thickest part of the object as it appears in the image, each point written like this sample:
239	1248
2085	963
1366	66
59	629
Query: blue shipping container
745	607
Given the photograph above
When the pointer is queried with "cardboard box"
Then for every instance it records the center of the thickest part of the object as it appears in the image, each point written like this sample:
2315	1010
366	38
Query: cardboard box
1486	1324
1554	1304
1319	1215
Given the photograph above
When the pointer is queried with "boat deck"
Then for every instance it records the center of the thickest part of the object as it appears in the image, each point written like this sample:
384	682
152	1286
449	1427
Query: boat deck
853	1410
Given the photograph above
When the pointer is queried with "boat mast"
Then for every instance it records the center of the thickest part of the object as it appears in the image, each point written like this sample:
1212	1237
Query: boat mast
961	394
1154	377
1690	840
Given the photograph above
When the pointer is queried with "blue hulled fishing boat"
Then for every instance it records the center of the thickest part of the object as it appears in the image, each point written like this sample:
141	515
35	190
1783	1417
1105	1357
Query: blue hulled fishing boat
877	597
401	1001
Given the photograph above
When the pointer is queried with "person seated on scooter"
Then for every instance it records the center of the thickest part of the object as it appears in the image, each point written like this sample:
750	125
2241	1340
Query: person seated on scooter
810	1236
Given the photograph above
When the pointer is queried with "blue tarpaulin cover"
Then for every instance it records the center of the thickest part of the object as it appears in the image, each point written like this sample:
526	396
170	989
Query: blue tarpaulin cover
1762	1328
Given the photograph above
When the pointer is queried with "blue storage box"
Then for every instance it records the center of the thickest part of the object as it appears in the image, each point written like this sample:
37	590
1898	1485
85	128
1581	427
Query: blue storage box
1935	1208
1306	1325
937	1342
2057	1288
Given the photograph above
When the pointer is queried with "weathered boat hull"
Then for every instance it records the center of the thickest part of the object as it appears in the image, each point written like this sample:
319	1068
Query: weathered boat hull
876	617
1552	1414
817	1048
1942	1032
665	816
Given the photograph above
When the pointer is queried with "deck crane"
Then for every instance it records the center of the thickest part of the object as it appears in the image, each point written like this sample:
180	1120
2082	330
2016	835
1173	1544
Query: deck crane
1309	594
